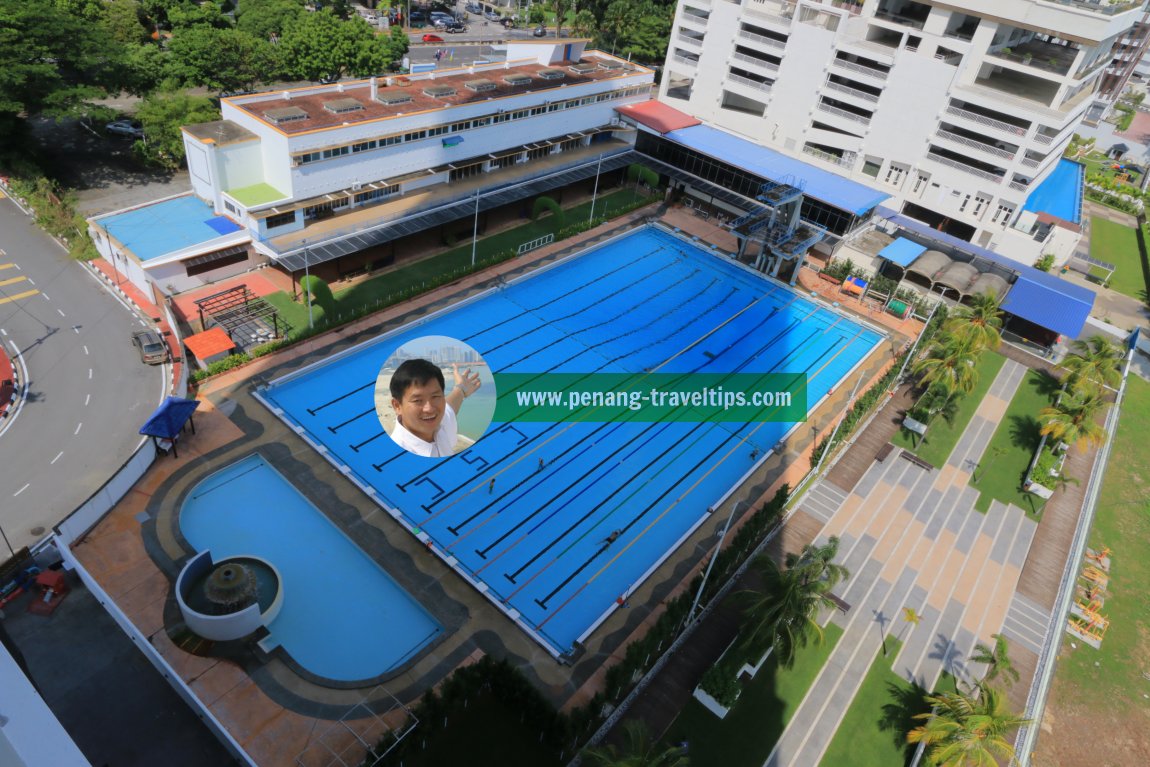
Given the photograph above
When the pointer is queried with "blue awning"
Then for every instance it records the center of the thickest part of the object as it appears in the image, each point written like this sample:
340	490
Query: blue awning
902	251
820	184
169	419
1047	306
1042	298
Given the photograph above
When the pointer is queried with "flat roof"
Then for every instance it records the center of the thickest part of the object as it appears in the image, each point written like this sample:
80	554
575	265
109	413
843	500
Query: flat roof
314	101
155	230
902	251
221	132
821	184
255	194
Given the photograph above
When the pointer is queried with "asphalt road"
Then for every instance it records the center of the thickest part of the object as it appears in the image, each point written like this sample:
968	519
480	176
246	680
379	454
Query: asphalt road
86	391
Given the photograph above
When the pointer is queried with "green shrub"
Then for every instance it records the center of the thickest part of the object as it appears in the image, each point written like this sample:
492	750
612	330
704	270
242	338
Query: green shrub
221	366
643	174
1045	263
842	268
319	292
720	683
544	204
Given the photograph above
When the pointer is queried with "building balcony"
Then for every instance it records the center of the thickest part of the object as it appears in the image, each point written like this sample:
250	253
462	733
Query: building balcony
847	160
1036	54
900	19
989	122
761	64
975	144
685	61
692	22
776	12
965	168
761	40
1113	9
846	115
757	85
861	69
846	90
696	42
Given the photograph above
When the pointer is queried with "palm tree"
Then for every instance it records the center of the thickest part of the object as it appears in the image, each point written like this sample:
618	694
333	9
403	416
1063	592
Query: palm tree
782	615
967	730
1074	418
640	751
949	362
1097	360
980	323
996	660
939	400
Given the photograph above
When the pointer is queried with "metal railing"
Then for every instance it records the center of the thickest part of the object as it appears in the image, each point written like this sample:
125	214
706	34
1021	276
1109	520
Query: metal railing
761	39
688	39
684	60
1043	139
906	21
749	82
767	10
757	62
846	161
860	68
976	144
965	168
1018	187
1030	163
843	113
989	121
852	91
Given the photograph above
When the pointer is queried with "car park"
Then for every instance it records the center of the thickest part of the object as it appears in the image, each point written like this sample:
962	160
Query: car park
125	128
432	39
151	347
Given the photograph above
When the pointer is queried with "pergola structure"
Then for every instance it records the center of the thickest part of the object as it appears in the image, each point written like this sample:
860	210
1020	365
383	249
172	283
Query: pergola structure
244	316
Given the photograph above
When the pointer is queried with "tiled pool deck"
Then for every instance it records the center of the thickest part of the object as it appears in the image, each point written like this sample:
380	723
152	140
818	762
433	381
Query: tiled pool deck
274	713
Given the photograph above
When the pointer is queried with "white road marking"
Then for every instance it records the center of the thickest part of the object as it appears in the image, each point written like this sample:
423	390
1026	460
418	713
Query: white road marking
85	348
62	313
78	427
76	329
58	456
87	399
5	332
30	280
20	491
89	374
45	295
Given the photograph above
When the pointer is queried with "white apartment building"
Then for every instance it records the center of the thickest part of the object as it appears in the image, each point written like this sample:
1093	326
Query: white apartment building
958	110
329	175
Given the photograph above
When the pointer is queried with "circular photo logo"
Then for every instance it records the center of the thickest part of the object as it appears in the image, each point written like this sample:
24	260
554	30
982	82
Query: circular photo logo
435	396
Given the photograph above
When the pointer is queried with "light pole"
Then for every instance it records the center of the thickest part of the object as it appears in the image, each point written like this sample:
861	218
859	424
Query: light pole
475	229
307	288
7	542
595	193
718	547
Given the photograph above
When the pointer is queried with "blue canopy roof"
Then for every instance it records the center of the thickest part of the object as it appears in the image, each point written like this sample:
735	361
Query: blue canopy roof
1042	298
169	418
902	251
774	166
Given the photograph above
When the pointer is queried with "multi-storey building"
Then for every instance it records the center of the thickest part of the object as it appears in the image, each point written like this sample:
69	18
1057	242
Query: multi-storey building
1125	58
330	177
958	110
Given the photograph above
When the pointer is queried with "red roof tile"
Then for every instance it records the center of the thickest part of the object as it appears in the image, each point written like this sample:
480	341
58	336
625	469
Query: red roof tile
209	343
658	116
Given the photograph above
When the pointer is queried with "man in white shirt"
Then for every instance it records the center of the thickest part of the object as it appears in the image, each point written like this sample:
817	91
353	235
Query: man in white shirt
425	417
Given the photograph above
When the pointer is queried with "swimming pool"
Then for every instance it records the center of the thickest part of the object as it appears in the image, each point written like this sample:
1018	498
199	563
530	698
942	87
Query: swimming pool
535	541
342	617
1061	193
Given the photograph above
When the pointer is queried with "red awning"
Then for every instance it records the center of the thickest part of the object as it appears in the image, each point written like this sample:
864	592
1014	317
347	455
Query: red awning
209	343
657	116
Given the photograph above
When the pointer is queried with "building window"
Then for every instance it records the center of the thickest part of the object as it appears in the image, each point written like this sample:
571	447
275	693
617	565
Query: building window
965	202
230	208
894	174
1003	212
376	194
919	182
280	219
871	167
217	260
980	204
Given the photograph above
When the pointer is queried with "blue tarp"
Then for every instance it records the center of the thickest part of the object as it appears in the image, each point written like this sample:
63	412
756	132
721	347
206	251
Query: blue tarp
1042	298
169	418
902	251
1060	194
774	166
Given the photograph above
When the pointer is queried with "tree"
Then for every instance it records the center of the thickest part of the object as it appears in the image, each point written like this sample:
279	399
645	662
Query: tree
162	116
938	400
967	730
949	362
646	37
1096	360
1074	418
584	24
266	19
221	59
980	323
122	20
188	14
782	615
996	660
640	751
560	8
316	46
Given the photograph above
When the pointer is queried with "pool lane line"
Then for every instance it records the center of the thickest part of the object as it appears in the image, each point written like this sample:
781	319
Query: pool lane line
353	419
647	529
532	310
313	411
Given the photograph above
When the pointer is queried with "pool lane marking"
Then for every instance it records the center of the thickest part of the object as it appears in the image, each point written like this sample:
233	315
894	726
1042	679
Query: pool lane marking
655	521
18	296
57	457
356	390
338	426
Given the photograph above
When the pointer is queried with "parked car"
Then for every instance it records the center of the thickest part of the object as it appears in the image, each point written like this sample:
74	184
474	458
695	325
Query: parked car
438	16
125	128
508	22
492	16
540	31
432	39
473	8
417	16
455	29
151	347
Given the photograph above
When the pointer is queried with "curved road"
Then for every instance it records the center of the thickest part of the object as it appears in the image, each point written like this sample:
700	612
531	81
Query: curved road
86	393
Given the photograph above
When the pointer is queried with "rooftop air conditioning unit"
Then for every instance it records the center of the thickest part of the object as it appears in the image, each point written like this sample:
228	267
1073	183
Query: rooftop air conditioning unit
356	187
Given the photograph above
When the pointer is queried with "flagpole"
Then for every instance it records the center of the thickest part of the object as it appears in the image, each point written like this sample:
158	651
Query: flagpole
475	229
307	290
595	193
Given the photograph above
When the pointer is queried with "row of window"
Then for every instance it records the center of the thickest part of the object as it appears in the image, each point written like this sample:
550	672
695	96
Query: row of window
475	122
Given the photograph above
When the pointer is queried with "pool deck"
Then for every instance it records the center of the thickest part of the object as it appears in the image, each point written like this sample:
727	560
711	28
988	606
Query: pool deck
273	712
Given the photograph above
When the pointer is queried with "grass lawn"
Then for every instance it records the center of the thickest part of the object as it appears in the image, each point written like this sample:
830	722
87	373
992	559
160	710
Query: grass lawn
873	730
387	287
1118	245
748	733
942	436
1008	455
1112	677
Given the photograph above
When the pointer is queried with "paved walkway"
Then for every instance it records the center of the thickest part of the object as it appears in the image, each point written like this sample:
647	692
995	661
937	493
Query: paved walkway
911	537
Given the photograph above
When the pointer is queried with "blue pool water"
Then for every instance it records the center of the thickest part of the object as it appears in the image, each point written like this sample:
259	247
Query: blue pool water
342	617
1061	193
151	231
536	543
